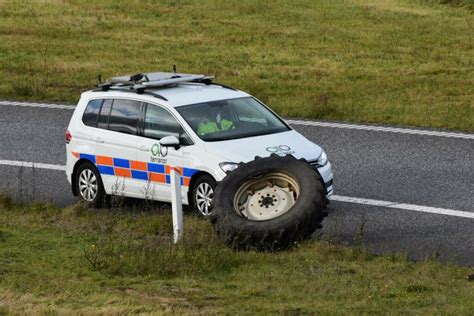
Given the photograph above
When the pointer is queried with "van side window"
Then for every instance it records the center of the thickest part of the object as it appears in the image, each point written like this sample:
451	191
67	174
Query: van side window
91	113
160	123
104	114
124	116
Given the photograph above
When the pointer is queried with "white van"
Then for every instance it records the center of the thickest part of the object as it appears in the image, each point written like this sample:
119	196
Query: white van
125	135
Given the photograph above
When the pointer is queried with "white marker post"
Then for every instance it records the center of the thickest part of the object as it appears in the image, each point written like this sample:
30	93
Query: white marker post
176	203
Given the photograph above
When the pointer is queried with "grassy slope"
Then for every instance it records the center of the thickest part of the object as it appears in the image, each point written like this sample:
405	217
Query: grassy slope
396	61
118	261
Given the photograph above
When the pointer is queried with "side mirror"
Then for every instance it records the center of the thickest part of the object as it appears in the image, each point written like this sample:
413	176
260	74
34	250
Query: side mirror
170	141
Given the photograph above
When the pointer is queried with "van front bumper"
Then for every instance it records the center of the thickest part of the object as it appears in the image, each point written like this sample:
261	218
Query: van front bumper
327	177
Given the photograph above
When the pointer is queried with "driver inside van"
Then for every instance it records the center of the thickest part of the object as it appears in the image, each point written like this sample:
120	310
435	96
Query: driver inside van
214	123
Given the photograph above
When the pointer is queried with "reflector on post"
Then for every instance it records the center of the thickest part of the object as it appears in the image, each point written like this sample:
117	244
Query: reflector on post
176	203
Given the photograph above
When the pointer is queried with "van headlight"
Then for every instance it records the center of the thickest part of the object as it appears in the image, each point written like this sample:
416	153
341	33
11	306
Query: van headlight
323	159
228	166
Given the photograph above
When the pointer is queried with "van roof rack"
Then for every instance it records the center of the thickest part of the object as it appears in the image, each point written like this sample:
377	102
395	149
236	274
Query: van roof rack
142	81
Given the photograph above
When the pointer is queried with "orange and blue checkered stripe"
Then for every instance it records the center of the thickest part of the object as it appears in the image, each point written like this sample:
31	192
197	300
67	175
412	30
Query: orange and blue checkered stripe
139	170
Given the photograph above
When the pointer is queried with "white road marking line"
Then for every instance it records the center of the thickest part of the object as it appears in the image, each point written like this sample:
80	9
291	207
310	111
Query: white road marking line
402	206
38	105
293	122
35	165
382	129
339	198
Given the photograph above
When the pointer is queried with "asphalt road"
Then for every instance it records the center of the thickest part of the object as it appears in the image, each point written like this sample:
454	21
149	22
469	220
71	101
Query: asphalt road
416	169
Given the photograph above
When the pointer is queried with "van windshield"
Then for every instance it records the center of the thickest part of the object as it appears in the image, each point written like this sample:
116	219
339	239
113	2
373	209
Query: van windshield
231	119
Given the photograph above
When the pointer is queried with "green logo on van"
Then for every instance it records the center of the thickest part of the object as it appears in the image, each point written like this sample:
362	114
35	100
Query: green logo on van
158	150
155	149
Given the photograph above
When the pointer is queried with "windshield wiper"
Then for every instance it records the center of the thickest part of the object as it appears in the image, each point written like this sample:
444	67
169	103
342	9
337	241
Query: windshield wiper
217	139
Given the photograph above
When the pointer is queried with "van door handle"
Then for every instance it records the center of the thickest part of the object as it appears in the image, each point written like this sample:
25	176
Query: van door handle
143	148
99	140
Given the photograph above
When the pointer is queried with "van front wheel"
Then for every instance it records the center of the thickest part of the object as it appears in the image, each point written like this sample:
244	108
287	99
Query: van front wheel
202	195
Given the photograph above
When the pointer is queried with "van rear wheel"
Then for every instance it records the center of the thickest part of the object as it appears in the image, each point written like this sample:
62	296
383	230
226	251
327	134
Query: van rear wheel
89	185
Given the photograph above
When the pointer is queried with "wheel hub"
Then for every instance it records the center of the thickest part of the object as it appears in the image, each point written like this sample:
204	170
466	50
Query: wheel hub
266	198
267	201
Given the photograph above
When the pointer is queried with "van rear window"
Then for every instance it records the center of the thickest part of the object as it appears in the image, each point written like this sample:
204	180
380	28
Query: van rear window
91	113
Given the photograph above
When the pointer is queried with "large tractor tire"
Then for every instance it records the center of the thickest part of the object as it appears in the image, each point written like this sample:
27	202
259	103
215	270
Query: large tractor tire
268	204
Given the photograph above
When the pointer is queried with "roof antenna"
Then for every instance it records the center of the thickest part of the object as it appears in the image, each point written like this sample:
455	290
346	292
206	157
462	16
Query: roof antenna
174	72
99	79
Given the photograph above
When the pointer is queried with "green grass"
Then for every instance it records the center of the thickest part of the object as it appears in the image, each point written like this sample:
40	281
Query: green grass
407	62
118	261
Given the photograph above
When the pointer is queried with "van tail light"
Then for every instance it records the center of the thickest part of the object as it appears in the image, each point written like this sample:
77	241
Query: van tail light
68	136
